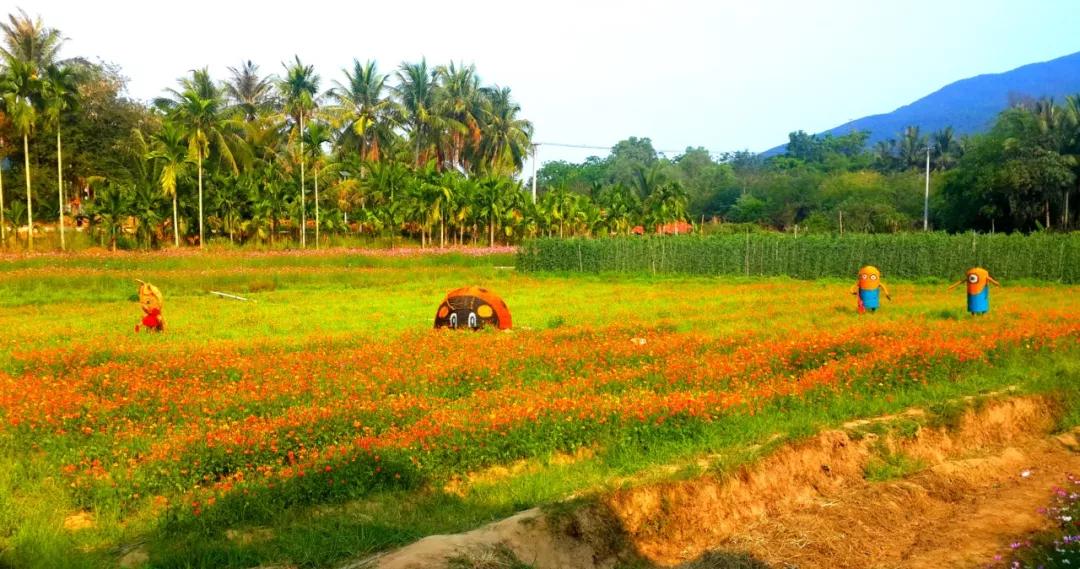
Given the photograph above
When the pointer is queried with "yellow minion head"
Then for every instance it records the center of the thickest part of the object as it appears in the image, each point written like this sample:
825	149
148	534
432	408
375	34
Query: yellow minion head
150	297
977	279
869	278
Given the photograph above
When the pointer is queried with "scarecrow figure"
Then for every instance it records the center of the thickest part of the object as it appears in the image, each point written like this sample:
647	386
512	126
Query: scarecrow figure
473	308
978	290
151	302
868	288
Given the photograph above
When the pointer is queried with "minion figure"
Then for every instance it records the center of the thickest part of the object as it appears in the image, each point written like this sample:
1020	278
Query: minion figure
978	290
151	301
869	288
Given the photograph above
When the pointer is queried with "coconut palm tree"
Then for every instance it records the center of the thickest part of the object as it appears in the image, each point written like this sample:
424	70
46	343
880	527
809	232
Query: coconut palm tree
460	105
946	149
21	89
299	90
249	93
60	94
506	138
416	94
169	146
912	147
200	107
366	115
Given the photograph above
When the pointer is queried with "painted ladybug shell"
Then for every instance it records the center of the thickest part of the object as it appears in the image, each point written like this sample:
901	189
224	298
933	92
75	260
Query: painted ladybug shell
472	308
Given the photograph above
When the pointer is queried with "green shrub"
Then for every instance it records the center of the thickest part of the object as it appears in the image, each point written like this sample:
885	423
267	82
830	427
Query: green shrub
1045	257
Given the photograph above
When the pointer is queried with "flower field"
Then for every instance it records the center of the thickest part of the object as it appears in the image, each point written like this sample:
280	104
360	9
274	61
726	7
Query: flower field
330	389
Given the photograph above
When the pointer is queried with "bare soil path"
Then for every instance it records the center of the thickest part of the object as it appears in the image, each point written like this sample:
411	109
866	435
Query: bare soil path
808	505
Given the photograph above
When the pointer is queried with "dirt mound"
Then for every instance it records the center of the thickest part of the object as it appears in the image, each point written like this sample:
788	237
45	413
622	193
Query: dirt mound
979	482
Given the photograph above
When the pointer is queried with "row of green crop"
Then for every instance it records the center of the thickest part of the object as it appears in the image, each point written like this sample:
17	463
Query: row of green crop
1048	257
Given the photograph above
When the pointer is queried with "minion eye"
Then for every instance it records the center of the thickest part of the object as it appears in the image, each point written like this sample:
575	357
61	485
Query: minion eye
873	277
973	278
863	277
472	320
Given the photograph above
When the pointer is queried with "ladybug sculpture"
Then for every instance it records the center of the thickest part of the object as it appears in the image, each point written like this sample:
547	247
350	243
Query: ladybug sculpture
472	308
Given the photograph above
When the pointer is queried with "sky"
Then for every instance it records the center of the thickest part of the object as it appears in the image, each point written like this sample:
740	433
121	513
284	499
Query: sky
723	75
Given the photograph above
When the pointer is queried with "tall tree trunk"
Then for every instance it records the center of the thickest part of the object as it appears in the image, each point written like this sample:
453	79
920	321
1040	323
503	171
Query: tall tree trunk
1048	214
442	233
1065	214
316	207
60	185
416	152
202	239
303	212
175	223
491	231
29	200
3	229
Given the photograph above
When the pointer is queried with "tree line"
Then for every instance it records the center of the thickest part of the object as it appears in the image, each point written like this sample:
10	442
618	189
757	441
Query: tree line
429	152
424	151
1017	176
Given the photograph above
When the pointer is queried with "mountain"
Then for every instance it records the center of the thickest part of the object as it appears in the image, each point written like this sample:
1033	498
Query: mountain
970	105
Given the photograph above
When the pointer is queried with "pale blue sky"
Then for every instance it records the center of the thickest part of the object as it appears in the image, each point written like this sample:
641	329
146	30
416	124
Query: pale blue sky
724	75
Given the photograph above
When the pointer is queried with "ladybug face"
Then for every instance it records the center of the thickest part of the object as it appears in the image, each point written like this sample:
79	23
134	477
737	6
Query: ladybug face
472	308
464	317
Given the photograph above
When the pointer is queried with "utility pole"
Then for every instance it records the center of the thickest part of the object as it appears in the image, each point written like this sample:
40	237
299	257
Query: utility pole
534	146
926	196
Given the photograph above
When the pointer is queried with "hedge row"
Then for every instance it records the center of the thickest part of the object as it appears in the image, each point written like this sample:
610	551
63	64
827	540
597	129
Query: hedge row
1048	257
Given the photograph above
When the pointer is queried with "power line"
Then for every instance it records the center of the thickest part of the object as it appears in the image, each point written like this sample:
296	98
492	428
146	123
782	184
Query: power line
609	148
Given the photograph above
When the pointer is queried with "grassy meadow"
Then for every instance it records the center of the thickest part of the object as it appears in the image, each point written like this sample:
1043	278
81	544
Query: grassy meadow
326	421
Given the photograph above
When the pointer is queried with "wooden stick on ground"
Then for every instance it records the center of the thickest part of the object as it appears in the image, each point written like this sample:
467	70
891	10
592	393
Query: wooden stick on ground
232	296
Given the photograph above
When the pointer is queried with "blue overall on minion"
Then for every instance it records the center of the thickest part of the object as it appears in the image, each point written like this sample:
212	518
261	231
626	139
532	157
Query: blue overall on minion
979	303
871	298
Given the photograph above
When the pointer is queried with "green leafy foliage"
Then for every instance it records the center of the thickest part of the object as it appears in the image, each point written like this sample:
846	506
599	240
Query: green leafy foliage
1048	257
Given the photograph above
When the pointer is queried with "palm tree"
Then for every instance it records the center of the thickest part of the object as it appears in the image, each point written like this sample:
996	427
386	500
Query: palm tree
170	147
1072	119
28	49
109	210
3	124
200	107
507	138
416	93
911	147
60	95
366	115
249	93
318	133
20	90
460	105
299	89
491	202
946	148
29	41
